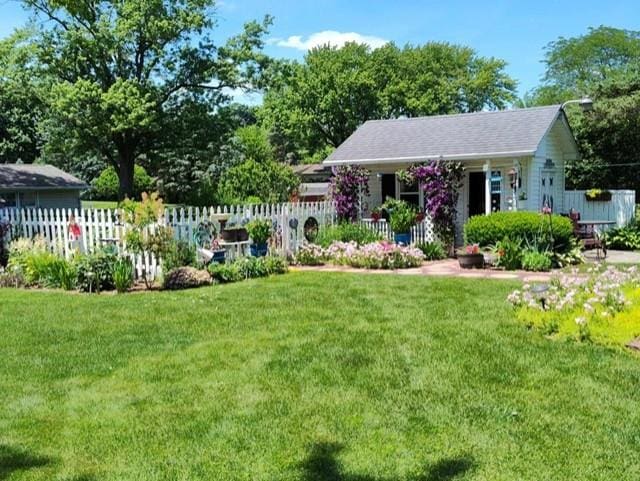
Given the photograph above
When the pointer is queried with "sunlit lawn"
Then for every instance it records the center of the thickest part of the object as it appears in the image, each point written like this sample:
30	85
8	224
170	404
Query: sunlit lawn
307	377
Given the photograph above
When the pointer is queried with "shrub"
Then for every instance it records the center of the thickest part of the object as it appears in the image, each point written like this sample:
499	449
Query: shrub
247	268
185	278
490	229
146	232
269	181
624	238
310	255
123	274
20	249
275	265
536	261
509	254
433	251
259	230
106	185
179	253
346	232
224	273
95	271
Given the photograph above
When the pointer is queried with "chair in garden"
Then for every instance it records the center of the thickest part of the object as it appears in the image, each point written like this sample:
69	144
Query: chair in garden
587	234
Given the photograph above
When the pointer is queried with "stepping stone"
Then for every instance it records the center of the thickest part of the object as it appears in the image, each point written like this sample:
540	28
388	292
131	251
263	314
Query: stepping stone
635	344
504	276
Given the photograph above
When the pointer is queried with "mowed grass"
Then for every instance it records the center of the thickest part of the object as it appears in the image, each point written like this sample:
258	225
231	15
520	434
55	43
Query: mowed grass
310	377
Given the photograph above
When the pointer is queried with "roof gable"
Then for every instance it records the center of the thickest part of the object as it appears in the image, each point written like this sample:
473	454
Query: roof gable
456	137
36	176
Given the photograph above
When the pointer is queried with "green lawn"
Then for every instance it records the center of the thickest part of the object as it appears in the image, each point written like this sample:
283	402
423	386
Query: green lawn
309	377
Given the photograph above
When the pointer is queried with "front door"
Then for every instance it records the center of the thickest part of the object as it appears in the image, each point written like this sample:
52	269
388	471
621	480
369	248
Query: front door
476	193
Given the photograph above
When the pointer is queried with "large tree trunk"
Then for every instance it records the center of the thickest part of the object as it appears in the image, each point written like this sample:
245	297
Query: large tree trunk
125	175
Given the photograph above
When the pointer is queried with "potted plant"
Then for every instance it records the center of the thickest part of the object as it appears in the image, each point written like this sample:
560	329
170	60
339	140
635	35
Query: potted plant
471	257
402	217
259	231
375	214
598	195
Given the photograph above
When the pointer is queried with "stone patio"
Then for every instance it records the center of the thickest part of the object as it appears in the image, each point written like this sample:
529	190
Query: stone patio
447	267
451	268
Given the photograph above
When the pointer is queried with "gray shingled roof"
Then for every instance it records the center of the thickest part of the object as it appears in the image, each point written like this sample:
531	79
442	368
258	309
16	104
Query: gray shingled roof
36	177
505	133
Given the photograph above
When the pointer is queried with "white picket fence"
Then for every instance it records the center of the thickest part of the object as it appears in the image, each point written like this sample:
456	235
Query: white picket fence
421	232
103	227
621	208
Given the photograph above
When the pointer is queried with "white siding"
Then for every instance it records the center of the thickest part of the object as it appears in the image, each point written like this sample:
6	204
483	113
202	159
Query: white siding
557	145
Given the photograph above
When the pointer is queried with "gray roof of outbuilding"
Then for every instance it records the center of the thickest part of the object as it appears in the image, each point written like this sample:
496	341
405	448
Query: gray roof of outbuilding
502	133
36	177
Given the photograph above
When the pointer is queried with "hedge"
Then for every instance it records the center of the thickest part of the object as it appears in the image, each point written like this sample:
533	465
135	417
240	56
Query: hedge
487	230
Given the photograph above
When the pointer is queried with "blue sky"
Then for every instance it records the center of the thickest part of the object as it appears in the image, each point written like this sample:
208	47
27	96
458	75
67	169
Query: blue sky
515	31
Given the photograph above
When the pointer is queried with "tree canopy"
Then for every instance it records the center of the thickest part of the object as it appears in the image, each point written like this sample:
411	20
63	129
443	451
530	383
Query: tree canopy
122	67
604	64
317	104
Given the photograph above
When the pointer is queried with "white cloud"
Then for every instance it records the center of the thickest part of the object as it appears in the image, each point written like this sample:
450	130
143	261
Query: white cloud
335	39
243	96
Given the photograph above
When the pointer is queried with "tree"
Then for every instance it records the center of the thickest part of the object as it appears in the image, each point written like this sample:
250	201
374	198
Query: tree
123	66
320	102
605	65
576	65
21	105
269	182
106	185
612	133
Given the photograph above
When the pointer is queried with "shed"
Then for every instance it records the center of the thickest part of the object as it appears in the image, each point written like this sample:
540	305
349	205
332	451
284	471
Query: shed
39	185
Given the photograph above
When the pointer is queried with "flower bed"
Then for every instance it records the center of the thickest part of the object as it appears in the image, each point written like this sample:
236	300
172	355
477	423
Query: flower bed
603	306
375	255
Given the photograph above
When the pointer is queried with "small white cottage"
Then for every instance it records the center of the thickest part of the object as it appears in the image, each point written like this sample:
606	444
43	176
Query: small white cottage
31	185
513	159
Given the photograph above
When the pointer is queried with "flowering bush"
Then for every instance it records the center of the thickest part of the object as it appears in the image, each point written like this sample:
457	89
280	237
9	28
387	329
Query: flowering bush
440	180
596	306
348	183
310	255
376	255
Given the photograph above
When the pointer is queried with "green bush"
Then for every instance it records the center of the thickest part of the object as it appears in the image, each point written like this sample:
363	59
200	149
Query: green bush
180	253
95	271
186	278
536	261
248	268
106	185
433	251
624	238
487	230
346	232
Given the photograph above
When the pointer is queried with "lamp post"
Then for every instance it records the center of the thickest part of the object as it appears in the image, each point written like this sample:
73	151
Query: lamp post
586	104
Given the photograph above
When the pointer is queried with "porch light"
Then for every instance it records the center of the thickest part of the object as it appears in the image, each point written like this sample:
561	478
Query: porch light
586	104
